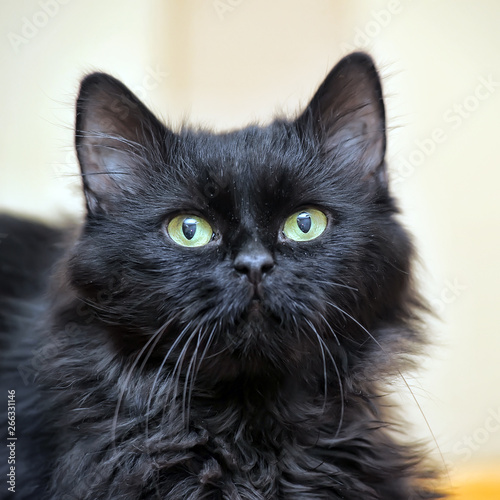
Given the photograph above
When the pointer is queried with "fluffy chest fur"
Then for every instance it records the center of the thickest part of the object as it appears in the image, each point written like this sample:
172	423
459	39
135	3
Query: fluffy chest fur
245	440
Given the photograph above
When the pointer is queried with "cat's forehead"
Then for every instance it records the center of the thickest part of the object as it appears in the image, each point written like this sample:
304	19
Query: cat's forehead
242	151
256	166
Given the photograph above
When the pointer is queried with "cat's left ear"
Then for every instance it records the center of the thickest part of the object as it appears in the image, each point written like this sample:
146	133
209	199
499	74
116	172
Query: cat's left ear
116	139
347	114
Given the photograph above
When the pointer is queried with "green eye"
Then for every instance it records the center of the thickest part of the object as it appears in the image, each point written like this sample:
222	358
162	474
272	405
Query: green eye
190	231
305	225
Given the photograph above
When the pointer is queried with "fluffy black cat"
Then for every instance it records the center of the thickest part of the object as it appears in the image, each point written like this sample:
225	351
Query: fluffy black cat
226	321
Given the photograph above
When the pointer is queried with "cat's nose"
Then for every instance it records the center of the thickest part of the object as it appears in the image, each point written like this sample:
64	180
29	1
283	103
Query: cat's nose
254	260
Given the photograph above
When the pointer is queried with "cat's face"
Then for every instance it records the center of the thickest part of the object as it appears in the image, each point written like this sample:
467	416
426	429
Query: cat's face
259	247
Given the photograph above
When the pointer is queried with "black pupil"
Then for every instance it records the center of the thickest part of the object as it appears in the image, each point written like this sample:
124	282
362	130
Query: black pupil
189	228
304	222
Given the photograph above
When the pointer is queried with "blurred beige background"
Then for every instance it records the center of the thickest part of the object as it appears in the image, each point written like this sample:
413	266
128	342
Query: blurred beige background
225	63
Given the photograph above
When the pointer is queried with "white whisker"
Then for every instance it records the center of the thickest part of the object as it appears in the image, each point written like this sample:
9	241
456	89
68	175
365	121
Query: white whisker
324	348
152	341
159	371
399	373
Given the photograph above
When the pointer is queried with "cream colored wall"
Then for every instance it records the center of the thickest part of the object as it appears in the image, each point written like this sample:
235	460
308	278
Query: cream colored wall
225	63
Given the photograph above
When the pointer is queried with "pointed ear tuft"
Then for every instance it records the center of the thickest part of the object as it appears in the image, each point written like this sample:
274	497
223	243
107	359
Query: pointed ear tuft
115	135
347	114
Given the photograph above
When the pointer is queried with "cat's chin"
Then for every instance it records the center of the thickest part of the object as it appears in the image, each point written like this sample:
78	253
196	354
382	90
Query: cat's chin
256	341
251	335
255	310
255	324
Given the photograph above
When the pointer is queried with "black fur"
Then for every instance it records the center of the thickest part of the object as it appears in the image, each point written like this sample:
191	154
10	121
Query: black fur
250	368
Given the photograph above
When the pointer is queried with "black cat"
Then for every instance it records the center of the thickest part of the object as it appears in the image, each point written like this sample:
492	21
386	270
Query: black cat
228	317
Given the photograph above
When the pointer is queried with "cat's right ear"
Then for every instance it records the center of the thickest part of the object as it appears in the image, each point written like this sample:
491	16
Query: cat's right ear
116	137
347	116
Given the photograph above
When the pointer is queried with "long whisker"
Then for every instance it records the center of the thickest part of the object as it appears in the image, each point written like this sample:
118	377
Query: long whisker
176	372
209	341
402	377
185	411
180	361
159	371
325	376
330	328
341	385
141	368
197	369
339	285
152	341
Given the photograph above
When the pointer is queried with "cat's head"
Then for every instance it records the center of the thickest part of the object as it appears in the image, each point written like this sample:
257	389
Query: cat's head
264	247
